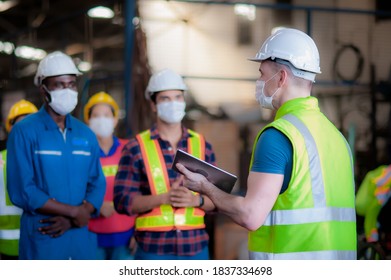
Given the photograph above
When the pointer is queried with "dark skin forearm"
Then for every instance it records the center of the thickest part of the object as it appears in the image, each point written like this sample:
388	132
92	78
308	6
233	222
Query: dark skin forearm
53	207
78	215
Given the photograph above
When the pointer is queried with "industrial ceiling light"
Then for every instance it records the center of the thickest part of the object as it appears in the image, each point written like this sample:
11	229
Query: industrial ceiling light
245	10
6	47
29	53
100	12
25	52
84	66
5	5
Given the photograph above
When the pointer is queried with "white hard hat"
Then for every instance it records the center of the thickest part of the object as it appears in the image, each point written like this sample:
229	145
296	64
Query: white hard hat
55	64
293	46
165	79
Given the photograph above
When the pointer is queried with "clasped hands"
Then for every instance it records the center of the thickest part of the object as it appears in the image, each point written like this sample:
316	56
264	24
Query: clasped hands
180	194
58	225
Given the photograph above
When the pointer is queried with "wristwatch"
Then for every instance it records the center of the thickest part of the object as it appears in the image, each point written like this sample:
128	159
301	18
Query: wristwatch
202	201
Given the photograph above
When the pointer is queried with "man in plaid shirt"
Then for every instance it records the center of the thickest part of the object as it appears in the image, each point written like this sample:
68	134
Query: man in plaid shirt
170	224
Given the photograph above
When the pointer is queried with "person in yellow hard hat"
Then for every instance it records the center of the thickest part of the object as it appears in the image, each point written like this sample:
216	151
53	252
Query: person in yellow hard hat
10	214
114	230
18	111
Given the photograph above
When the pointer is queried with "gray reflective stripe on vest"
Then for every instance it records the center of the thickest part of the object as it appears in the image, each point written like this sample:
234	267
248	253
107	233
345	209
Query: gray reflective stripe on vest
9	234
320	212
310	215
313	160
317	255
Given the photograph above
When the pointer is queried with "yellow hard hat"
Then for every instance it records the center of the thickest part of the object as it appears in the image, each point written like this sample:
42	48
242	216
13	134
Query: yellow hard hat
100	97
20	108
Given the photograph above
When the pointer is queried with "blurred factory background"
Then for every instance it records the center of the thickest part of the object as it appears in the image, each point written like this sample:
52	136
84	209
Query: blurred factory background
208	43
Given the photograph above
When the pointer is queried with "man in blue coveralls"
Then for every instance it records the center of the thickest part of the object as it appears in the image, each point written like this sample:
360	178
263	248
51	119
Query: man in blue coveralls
53	171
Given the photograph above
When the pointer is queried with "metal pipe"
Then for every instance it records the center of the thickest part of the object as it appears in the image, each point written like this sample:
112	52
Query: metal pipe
130	11
309	20
283	6
373	146
49	23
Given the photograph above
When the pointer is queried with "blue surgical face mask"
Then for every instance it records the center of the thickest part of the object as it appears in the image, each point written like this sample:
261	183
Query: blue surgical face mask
265	101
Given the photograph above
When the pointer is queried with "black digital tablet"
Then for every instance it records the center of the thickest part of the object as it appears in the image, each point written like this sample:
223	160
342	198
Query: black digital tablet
217	176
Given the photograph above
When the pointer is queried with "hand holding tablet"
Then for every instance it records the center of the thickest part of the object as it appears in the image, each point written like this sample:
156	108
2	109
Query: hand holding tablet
217	176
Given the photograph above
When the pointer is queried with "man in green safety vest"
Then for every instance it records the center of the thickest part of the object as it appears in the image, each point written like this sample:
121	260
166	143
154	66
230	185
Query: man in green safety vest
10	214
300	190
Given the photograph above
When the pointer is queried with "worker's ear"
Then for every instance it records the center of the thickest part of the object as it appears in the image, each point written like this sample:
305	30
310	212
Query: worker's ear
153	106
283	77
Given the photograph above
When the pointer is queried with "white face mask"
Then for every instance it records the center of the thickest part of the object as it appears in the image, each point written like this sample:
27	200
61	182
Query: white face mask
63	101
102	126
265	101
171	112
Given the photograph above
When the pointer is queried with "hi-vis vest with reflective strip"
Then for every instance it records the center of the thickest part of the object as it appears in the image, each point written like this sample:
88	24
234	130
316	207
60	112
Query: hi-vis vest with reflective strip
372	195
116	222
165	217
315	217
9	216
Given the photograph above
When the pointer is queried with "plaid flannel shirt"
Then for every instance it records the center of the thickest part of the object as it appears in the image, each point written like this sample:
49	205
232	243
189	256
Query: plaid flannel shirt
131	180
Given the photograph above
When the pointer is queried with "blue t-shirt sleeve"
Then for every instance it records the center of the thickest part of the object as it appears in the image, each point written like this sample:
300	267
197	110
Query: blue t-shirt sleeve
274	154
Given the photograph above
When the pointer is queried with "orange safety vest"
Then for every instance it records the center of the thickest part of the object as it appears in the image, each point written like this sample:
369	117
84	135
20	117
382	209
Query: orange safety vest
116	222
165	217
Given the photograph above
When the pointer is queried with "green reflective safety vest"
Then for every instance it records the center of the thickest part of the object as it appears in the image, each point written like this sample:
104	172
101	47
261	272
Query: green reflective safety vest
165	217
9	216
372	195
315	217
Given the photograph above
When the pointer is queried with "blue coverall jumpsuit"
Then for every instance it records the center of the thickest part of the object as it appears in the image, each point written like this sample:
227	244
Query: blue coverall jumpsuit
46	163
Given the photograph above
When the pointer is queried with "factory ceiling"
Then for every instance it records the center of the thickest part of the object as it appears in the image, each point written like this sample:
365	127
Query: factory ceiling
59	25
